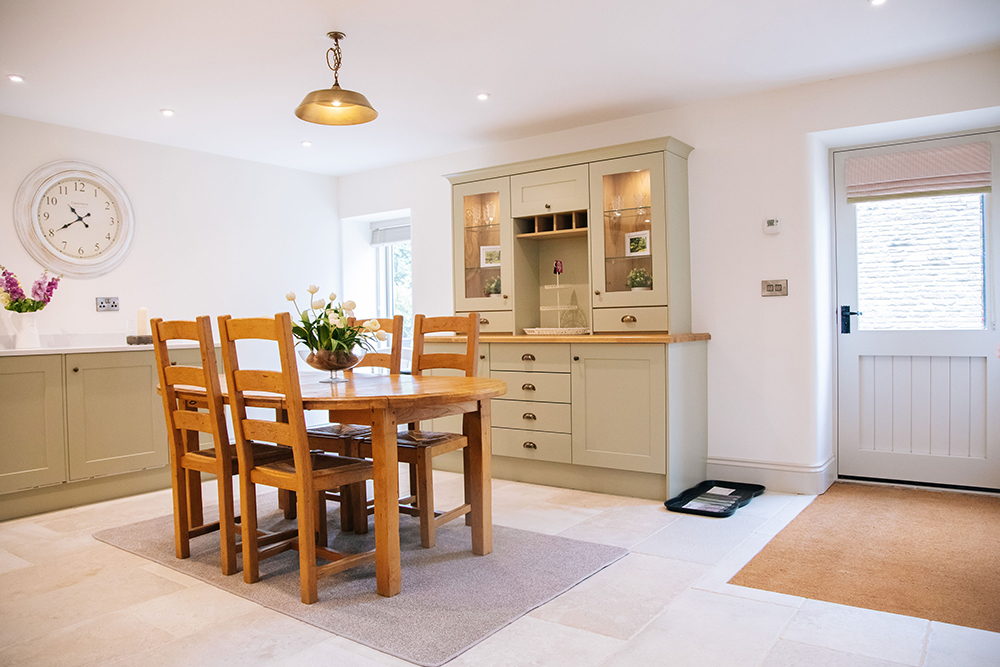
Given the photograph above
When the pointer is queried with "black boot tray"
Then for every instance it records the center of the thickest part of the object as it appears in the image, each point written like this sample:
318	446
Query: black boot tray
714	498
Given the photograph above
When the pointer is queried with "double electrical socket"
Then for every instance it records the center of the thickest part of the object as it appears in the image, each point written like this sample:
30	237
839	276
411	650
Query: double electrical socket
774	287
107	303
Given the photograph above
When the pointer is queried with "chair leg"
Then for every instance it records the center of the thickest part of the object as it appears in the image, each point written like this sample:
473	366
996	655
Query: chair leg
347	513
286	502
466	467
195	513
413	483
227	525
182	523
248	530
425	498
322	536
307	547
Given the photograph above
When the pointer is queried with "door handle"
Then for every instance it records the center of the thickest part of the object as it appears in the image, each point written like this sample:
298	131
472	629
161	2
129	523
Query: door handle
845	319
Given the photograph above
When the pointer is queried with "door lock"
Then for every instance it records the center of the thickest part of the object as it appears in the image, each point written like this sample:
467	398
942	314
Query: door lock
845	318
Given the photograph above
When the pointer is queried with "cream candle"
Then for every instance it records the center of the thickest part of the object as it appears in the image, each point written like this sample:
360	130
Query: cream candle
142	322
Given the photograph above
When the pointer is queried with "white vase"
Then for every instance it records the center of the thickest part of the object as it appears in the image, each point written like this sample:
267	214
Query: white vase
25	331
641	289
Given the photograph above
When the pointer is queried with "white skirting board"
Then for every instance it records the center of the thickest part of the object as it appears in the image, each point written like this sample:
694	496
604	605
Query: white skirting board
780	477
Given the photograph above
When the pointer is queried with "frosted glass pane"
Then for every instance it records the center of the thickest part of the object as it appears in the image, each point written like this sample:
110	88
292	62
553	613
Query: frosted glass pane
920	263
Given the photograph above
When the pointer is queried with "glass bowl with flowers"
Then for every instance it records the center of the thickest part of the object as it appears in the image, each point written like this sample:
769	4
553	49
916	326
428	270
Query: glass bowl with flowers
328	330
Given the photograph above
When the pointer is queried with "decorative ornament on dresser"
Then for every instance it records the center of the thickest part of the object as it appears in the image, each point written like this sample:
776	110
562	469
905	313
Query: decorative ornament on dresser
24	307
75	218
334	343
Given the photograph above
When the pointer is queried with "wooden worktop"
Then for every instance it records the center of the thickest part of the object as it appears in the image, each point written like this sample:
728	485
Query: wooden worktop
637	338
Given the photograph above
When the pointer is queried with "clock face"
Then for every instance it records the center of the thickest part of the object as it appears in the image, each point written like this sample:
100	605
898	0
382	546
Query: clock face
79	218
74	218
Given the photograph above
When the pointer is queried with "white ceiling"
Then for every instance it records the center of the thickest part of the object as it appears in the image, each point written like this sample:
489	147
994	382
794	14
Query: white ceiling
235	71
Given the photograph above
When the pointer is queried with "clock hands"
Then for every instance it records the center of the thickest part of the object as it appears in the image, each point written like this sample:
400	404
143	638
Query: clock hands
79	218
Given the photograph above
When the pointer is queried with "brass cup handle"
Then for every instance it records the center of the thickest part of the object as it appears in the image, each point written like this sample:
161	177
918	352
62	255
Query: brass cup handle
527	386
629	319
483	320
529	415
530	445
527	357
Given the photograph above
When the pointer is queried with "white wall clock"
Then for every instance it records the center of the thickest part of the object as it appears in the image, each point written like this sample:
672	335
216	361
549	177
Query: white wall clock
74	218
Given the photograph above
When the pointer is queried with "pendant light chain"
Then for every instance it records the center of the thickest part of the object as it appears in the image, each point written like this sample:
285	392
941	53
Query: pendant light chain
336	60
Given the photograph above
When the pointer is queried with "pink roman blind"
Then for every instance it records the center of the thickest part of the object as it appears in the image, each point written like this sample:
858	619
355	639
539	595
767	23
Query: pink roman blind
945	170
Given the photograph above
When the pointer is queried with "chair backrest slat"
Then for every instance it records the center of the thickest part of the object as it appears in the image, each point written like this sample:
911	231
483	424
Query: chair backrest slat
268	431
467	326
270	381
193	421
186	375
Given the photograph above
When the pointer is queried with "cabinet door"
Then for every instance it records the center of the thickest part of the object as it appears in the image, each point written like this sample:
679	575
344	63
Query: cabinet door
483	253
628	235
550	191
619	406
33	442
114	415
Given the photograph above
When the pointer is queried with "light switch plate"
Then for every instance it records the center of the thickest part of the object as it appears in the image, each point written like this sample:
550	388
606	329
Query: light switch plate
774	287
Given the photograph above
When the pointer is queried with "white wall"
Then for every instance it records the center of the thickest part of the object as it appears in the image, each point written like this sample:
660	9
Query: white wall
759	156
214	235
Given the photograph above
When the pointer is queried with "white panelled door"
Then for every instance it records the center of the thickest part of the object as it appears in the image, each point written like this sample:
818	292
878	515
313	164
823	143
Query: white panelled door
918	372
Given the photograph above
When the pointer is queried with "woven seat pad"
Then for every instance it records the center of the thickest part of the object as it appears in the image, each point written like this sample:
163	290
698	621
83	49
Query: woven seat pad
339	431
262	453
322	463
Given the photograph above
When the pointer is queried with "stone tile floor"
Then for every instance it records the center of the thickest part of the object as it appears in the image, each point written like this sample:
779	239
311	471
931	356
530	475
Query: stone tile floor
66	599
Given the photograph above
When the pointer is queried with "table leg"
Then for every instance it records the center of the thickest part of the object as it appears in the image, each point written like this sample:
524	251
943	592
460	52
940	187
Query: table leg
385	459
476	426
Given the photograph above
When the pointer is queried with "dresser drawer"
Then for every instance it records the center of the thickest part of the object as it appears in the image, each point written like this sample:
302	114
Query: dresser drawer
494	321
557	447
550	191
533	416
545	357
547	387
630	319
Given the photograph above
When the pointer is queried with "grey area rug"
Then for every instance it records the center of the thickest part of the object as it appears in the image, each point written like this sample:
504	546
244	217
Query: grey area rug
450	600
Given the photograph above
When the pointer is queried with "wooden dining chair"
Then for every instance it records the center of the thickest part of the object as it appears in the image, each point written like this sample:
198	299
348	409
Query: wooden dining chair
417	447
308	474
344	439
184	425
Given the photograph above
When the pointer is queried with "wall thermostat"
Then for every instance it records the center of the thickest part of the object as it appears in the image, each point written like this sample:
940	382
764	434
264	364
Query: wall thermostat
772	226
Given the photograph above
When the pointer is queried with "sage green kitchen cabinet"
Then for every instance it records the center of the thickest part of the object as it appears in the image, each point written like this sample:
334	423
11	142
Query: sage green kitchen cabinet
32	435
619	406
114	416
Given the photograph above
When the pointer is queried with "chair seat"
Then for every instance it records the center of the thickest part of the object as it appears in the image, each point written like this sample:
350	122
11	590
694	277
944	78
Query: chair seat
339	431
324	466
262	452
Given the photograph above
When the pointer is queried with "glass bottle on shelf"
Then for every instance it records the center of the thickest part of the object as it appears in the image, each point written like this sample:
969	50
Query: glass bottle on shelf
482	210
629	250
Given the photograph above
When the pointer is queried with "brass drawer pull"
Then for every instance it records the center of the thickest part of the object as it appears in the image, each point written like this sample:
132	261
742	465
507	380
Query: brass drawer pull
483	320
527	357
529	415
527	386
628	319
530	445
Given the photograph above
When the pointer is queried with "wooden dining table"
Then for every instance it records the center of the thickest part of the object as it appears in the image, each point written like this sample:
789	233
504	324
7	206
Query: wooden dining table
383	402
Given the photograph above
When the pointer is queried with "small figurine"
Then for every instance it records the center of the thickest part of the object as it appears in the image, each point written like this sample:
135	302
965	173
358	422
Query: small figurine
557	268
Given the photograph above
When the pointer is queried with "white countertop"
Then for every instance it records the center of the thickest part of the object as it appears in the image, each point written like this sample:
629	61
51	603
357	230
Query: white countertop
80	344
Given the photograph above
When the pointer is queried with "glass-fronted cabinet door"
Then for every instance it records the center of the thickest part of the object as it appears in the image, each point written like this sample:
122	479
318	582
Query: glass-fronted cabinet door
483	246
628	236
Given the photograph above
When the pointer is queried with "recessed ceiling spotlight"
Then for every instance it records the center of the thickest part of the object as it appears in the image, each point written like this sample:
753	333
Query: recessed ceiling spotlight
307	144
16	78
876	3
483	96
167	112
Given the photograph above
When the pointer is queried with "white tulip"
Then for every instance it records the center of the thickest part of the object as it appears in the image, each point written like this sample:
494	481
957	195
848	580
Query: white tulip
349	313
380	335
312	289
349	305
370	325
290	296
318	304
335	321
333	296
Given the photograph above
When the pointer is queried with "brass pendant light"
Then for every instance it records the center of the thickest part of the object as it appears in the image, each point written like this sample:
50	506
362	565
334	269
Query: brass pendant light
336	106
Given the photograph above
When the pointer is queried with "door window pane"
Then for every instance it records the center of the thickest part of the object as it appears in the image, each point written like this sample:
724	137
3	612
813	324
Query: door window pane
921	263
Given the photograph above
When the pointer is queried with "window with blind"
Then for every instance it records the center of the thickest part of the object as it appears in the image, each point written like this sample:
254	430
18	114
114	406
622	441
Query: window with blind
393	277
921	241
